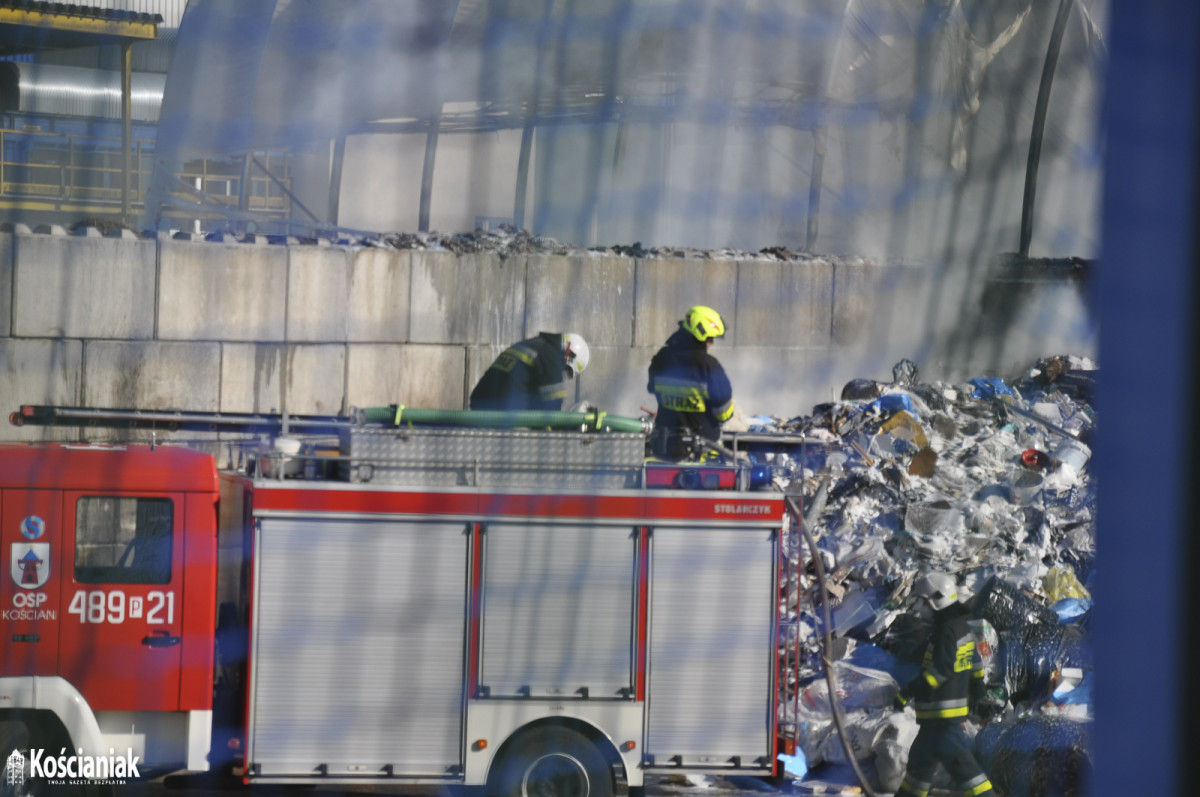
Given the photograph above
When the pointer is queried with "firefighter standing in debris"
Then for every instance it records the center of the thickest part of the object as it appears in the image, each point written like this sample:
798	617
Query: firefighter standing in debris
951	679
532	374
693	392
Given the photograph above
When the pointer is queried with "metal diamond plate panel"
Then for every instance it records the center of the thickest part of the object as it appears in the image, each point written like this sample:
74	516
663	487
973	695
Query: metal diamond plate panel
493	458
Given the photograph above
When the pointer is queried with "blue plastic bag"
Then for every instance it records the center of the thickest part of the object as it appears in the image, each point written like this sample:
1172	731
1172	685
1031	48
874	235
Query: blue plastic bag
990	387
1069	609
795	765
1081	695
892	403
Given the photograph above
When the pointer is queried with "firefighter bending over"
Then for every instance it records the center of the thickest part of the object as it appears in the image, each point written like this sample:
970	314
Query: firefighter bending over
694	395
532	374
951	678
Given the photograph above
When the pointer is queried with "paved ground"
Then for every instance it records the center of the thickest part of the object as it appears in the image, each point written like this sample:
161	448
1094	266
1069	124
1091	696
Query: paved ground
836	783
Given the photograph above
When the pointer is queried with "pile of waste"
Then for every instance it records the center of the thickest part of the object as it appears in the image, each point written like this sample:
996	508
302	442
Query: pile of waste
988	481
506	240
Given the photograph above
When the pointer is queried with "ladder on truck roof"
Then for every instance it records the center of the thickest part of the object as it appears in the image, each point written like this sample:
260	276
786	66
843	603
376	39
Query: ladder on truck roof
176	420
395	415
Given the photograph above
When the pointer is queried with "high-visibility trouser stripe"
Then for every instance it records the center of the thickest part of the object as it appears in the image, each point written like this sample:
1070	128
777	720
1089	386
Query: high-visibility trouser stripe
940	705
724	412
977	785
945	713
919	788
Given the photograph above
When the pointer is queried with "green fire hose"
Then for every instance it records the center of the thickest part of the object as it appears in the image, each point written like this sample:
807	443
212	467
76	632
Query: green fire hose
595	420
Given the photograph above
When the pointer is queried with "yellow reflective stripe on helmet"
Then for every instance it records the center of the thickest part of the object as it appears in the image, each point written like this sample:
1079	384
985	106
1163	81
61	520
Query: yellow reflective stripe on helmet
723	412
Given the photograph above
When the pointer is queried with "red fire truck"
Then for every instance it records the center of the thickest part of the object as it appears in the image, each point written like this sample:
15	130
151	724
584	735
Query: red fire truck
504	607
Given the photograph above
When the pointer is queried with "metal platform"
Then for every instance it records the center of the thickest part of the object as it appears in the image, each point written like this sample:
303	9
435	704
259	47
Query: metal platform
457	457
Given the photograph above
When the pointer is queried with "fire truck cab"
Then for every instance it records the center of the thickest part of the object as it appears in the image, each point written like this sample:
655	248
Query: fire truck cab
108	598
408	606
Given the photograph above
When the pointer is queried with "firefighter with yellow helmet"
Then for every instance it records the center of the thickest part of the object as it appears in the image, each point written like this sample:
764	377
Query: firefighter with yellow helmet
693	392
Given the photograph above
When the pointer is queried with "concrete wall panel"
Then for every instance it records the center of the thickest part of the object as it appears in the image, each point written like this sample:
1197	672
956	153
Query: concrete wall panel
667	288
216	291
588	294
770	380
271	378
615	381
6	283
152	375
83	287
784	303
379	296
870	299
38	372
429	377
468	299
318	286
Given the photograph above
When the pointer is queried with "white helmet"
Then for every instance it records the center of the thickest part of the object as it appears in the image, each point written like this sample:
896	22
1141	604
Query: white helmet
940	589
575	351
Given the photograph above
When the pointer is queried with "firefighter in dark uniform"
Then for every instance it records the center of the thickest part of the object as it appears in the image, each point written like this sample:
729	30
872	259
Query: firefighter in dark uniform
951	679
694	395
532	374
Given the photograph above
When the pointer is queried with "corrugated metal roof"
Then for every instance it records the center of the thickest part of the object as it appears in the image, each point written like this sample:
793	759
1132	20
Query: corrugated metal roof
171	11
32	26
49	9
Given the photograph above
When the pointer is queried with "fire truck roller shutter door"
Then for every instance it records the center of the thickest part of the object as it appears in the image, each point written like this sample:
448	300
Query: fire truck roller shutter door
711	653
557	611
366	620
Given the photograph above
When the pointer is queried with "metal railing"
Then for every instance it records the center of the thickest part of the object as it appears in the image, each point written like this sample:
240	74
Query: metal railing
78	171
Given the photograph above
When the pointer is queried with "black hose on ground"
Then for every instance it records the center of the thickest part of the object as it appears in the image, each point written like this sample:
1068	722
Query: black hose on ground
839	720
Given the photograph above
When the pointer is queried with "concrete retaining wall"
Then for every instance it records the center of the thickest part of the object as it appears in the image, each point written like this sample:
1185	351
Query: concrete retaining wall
251	326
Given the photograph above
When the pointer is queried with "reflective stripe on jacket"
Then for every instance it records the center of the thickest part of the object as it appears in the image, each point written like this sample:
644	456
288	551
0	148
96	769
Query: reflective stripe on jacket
942	689
693	392
528	375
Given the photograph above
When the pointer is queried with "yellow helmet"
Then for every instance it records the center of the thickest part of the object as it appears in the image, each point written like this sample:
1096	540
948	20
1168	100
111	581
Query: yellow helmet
703	323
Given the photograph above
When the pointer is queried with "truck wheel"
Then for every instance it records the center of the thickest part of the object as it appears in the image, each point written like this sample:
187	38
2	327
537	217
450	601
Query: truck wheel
552	762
